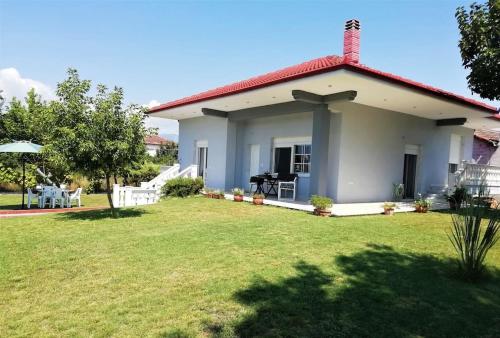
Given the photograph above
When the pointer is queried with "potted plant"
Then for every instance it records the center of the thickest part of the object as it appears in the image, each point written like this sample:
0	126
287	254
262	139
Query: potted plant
389	208
238	194
457	197
258	199
322	205
422	205
208	192
218	194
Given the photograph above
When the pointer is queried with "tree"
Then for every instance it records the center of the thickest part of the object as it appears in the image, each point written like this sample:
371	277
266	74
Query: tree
97	136
480	47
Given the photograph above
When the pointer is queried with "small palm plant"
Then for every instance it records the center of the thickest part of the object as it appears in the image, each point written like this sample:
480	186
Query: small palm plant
475	230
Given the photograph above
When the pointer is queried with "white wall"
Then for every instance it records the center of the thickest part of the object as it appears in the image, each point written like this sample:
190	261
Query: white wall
151	149
372	152
262	131
214	130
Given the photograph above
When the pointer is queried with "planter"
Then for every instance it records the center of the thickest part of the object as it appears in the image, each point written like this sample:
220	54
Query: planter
421	209
322	212
238	198
258	201
209	195
218	197
389	212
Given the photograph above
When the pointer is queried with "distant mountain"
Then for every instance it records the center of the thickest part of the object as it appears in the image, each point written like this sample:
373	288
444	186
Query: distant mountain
171	137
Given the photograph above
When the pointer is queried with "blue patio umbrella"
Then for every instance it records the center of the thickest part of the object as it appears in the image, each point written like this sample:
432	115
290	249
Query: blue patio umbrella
21	147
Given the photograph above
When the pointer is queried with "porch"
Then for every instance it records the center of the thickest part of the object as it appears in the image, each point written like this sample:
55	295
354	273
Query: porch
344	209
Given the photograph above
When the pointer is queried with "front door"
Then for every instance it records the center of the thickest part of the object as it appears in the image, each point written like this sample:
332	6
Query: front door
282	160
202	162
409	175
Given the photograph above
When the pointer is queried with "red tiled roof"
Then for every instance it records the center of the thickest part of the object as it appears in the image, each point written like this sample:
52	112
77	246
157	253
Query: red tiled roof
314	67
155	139
487	135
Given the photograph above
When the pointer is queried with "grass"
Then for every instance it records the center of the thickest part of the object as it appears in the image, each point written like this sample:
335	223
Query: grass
10	201
205	267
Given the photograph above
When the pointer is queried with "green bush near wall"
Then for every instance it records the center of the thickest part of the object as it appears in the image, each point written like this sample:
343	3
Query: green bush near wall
182	187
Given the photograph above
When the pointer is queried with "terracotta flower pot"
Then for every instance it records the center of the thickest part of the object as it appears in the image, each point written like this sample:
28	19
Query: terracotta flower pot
322	212
238	198
421	209
389	211
258	201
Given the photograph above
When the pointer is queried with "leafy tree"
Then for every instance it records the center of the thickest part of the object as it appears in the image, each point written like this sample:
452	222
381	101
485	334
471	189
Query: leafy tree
480	47
97	135
167	154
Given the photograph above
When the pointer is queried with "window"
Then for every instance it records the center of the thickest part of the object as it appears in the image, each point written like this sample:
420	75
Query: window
452	168
302	158
292	155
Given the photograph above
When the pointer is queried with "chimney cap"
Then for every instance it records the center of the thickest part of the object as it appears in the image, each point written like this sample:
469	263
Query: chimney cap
352	24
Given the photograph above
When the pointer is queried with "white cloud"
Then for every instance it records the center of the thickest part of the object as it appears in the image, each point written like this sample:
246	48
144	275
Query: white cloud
165	126
14	85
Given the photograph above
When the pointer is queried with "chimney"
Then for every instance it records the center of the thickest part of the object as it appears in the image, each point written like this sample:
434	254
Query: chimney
351	41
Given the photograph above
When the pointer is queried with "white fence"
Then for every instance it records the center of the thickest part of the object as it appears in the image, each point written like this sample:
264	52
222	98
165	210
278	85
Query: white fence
149	192
477	176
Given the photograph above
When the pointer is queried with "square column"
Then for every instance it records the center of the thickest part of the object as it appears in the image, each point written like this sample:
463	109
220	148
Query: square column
319	150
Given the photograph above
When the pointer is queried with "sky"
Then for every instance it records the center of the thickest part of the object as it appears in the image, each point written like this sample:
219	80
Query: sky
164	50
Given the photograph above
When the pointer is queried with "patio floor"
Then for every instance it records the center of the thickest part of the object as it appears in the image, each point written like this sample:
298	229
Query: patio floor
345	209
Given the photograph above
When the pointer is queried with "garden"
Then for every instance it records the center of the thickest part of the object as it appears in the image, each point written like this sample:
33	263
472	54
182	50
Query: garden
236	269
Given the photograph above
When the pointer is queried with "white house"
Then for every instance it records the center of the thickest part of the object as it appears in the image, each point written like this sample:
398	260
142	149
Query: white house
349	131
153	144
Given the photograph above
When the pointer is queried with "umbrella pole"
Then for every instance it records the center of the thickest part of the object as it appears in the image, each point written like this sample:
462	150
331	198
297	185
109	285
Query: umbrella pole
24	178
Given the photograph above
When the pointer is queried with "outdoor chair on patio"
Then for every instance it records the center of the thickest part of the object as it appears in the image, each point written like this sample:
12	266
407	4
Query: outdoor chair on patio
44	197
76	196
57	198
287	186
31	197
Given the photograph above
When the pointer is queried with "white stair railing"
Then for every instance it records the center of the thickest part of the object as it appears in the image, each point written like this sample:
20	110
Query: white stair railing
149	192
476	176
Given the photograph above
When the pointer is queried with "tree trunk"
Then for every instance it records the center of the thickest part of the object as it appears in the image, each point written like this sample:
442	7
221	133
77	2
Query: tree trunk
115	178
109	193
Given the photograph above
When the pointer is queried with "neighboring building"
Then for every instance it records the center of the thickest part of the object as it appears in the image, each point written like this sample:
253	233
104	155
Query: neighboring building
485	147
348	131
153	143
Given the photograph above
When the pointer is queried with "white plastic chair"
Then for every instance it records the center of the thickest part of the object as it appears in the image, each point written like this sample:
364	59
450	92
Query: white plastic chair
287	186
45	196
75	197
31	196
57	198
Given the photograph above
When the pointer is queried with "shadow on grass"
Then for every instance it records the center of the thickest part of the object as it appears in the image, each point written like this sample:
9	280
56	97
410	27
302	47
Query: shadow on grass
102	214
11	207
383	293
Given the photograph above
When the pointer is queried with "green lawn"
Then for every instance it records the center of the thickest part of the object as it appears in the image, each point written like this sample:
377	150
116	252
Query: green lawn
13	201
203	267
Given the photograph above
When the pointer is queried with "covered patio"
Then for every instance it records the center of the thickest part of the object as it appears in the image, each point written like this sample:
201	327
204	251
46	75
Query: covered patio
346	209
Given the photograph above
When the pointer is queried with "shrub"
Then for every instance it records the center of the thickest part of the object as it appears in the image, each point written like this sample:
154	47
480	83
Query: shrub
258	195
398	190
321	202
471	238
458	196
145	173
182	187
389	205
423	202
238	192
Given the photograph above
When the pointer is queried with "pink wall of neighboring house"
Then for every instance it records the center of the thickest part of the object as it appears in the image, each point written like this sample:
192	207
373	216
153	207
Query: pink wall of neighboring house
484	152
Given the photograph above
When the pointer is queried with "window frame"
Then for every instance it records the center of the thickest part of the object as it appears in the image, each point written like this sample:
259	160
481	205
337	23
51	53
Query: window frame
291	142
